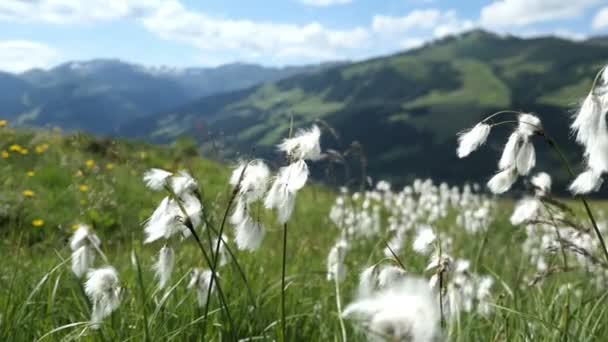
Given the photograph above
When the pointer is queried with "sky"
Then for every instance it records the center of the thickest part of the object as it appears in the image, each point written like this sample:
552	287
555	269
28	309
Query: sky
182	33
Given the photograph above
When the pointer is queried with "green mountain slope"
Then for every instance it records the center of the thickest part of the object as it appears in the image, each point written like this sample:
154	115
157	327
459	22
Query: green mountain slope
101	95
405	109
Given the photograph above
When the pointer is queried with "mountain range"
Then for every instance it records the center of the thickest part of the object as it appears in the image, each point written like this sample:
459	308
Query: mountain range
404	110
102	95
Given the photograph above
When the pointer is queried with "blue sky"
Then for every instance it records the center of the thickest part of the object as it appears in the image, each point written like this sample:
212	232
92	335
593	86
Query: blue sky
180	33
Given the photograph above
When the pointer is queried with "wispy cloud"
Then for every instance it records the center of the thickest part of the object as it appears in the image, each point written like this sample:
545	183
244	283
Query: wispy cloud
324	3
278	41
21	55
518	13
72	11
600	20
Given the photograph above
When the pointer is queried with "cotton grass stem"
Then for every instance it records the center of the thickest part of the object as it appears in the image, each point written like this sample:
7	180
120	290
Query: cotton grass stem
209	262
215	255
339	308
563	158
283	322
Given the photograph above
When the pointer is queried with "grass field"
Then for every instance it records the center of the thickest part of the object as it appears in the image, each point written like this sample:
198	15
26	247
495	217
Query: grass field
50	182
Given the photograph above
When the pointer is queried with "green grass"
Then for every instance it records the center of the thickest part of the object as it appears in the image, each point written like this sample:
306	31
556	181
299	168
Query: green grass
37	303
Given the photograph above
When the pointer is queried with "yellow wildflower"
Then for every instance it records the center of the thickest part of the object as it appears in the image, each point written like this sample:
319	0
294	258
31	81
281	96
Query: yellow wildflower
38	223
90	164
28	193
40	149
110	166
5	155
84	188
24	151
15	148
31	173
3	123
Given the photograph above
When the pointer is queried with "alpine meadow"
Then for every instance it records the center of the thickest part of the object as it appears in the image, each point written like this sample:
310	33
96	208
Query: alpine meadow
443	189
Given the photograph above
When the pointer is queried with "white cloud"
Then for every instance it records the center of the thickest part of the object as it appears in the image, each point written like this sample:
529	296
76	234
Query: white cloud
559	33
324	3
432	20
72	11
512	13
411	43
21	55
417	19
600	21
277	42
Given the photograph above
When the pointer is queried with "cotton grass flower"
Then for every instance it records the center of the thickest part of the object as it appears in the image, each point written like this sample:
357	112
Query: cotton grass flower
585	124
200	282
389	275
103	290
336	269
163	268
156	179
542	183
82	243
405	311
586	182
472	139
168	219
368	281
305	145
252	179
249	234
526	210
503	180
423	243
282	194
591	132
509	152
180	183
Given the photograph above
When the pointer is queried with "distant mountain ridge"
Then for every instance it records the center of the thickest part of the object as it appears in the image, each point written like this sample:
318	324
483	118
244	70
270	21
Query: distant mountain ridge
103	94
405	109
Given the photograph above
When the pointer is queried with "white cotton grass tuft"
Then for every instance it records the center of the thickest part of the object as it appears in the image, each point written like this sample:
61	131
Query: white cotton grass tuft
389	275
585	124
525	210
472	139
503	180
404	311
183	182
82	243
368	281
336	269
509	152
282	194
526	158
82	260
103	290
156	179
252	178
529	125
200	282
168	219
163	268
542	183
591	131
305	145
249	234
586	182
423	242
